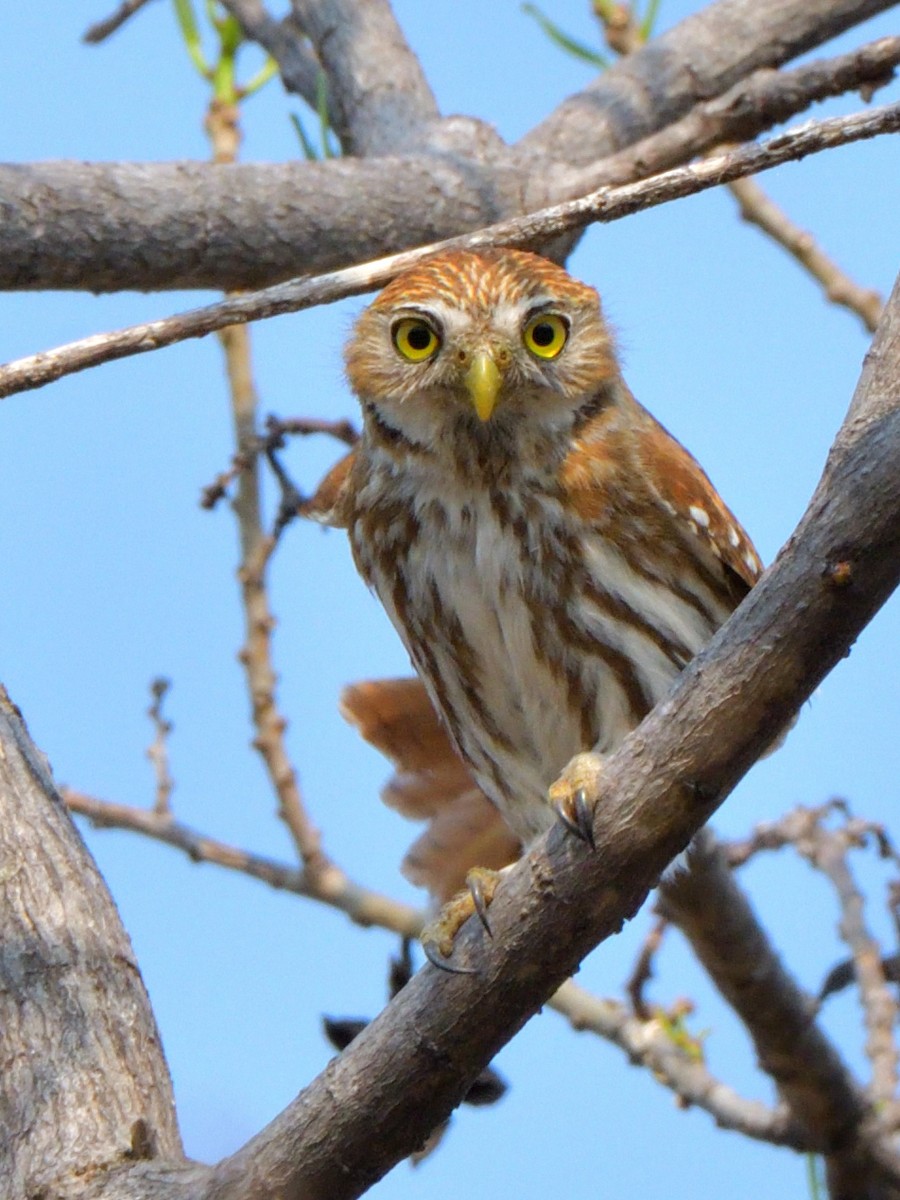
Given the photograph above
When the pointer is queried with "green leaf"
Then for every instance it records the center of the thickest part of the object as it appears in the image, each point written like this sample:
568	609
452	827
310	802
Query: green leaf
187	23
649	20
261	78
309	150
322	110
814	1177
571	45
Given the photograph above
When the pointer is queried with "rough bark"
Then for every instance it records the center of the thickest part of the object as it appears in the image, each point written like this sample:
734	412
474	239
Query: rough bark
150	226
701	57
85	1084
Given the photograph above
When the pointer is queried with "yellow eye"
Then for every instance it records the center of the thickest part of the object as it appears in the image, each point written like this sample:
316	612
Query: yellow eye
415	339
545	335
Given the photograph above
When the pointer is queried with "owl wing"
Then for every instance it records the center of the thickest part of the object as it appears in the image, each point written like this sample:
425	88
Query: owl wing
681	486
639	488
431	783
328	503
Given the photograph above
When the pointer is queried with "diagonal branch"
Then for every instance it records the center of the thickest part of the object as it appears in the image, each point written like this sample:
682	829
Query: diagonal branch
415	1061
701	57
746	110
607	204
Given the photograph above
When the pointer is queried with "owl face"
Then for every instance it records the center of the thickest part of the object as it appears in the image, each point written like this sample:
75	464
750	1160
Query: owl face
469	341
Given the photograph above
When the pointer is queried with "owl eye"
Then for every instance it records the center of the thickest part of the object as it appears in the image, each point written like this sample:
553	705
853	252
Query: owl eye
415	339
545	335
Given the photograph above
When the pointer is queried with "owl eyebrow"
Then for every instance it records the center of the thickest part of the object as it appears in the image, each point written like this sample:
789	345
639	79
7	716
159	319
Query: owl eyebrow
424	314
545	306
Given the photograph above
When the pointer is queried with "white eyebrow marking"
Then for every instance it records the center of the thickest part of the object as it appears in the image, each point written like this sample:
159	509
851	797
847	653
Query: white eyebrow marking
700	515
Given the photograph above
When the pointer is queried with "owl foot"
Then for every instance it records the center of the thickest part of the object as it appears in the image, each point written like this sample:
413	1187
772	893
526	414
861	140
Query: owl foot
570	795
439	935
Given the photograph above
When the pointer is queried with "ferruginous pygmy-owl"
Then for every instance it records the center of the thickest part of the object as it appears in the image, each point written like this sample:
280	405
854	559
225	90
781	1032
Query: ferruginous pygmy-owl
549	554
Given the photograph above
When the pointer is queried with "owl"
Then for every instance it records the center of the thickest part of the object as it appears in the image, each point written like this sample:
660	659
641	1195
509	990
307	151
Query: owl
550	556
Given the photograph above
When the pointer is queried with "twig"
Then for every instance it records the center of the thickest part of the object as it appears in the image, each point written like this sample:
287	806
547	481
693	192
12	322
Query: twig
791	1047
222	125
760	210
331	887
649	1045
158	751
100	31
778	95
343	430
643	969
827	849
607	204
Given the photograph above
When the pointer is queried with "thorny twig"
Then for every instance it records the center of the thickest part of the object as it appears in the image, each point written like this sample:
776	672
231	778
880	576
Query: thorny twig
826	848
331	886
101	30
643	969
158	751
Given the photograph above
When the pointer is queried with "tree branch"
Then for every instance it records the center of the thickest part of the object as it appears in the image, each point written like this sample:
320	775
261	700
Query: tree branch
648	1045
68	978
105	227
701	57
297	64
752	106
733	947
758	209
607	204
331	887
380	99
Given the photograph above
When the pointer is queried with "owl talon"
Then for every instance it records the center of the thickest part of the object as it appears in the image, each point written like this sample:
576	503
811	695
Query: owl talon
433	954
577	816
573	796
439	935
482	883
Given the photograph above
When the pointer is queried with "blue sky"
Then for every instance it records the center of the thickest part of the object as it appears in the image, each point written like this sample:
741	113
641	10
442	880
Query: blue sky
112	575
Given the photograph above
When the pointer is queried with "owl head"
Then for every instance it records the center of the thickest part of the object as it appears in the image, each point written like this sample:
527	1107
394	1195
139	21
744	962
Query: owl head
471	341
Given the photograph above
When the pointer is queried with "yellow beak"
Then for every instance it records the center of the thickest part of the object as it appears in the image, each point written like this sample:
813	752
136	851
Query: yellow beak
483	381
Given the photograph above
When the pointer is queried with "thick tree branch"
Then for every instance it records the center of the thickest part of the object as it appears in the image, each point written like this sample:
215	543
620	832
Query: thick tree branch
85	1085
607	204
105	227
701	57
381	101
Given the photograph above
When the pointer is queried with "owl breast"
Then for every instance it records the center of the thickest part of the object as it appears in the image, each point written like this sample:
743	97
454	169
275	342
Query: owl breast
523	626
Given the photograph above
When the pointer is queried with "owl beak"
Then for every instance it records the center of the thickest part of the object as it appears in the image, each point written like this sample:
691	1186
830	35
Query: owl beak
483	380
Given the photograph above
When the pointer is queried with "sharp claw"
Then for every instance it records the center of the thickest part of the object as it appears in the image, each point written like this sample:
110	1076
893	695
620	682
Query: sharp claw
584	817
481	899
576	814
436	959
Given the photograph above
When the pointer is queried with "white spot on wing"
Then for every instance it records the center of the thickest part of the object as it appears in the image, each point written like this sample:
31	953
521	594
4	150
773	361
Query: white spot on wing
700	515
